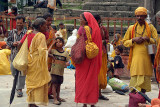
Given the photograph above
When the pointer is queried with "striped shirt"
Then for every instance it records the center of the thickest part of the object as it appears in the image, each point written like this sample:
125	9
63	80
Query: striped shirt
13	36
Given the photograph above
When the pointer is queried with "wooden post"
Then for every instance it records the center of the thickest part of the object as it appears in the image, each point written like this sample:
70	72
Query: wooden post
108	26
74	23
121	27
6	23
128	23
11	25
114	27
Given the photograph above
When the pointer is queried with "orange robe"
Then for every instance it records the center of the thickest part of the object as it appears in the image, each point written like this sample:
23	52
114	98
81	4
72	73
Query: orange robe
49	41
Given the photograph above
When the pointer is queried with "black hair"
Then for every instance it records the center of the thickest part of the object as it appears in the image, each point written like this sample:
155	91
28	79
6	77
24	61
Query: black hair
84	17
1	20
20	17
120	48
97	17
61	23
15	9
46	15
61	39
39	17
38	22
30	25
54	27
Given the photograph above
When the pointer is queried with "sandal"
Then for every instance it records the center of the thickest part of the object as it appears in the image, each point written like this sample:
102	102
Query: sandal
19	93
62	100
56	102
50	97
103	98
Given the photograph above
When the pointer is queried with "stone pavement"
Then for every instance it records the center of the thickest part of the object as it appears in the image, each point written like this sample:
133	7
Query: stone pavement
67	92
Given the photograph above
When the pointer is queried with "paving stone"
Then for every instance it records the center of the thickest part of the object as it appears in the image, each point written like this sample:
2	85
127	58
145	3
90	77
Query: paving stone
67	92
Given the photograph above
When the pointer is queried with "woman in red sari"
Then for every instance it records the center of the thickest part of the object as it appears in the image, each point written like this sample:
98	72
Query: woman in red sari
87	90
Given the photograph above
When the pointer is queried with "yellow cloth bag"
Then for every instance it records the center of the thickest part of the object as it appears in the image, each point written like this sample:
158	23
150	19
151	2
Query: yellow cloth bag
4	62
20	62
92	49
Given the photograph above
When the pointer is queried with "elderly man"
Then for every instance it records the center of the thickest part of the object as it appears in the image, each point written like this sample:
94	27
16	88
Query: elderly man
14	36
138	37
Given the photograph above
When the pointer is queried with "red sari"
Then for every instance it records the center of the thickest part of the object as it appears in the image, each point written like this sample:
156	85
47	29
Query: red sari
87	90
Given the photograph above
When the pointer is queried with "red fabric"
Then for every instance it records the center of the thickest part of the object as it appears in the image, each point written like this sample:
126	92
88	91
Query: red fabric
12	22
135	98
81	31
159	94
46	35
87	90
30	37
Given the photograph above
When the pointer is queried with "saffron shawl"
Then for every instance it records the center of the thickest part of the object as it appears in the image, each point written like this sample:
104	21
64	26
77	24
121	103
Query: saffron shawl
132	36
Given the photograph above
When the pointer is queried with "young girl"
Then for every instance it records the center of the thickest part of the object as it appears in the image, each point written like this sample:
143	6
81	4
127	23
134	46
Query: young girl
118	64
60	57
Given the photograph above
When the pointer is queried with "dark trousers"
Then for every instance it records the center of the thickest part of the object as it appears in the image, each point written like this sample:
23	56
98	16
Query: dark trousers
42	4
51	11
58	2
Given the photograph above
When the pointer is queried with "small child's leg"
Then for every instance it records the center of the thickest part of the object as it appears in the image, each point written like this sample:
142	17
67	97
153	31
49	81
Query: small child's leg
58	93
54	87
54	92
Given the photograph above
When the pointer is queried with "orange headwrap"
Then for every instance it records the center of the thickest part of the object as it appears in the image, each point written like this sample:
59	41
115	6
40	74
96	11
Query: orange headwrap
141	11
2	43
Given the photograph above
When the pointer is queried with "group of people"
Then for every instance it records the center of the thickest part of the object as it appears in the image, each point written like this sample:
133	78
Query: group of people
47	58
50	4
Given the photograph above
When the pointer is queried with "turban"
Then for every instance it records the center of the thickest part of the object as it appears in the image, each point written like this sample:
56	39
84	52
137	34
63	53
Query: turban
2	43
141	11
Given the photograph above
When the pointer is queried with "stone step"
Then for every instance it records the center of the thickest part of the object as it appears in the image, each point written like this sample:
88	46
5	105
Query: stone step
110	6
75	13
72	4
73	1
128	1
